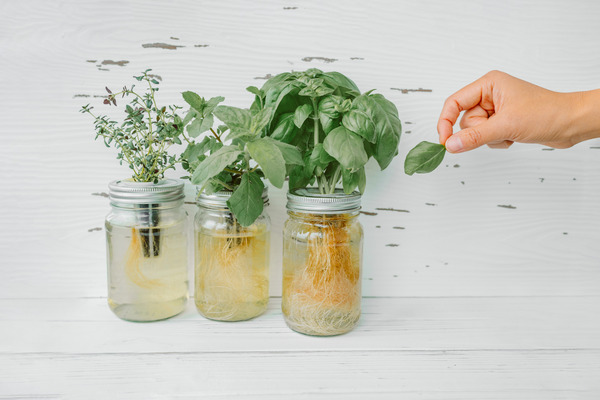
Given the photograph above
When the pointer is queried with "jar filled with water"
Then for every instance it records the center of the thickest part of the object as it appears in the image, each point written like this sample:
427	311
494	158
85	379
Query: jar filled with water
231	261
322	258
146	242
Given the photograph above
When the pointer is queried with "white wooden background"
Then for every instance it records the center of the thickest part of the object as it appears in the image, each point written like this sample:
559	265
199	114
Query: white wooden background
481	282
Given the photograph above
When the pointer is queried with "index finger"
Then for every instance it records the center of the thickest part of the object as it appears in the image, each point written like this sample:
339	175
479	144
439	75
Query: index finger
465	99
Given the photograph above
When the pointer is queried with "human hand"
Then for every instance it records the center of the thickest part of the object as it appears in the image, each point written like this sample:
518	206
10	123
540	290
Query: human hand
501	109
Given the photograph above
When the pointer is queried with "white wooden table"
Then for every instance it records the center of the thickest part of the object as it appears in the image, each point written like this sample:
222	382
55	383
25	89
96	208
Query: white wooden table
486	286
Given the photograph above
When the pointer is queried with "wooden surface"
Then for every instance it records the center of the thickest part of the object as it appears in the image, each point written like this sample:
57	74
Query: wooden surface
481	280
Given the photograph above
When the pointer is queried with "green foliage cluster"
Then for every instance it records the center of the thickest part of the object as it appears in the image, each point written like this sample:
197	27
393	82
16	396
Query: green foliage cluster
335	127
146	133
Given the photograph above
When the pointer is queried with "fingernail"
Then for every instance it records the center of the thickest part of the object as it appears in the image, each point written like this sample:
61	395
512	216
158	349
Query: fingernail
454	144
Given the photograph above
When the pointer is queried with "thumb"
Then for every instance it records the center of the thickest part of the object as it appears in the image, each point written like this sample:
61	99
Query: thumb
473	137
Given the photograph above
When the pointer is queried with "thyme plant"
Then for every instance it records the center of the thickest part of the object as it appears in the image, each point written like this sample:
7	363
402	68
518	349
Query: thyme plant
146	133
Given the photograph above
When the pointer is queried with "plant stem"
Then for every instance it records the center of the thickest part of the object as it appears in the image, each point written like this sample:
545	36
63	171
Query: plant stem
216	136
334	180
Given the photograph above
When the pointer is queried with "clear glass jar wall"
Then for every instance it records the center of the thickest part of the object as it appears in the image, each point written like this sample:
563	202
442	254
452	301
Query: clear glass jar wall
322	261
231	261
146	242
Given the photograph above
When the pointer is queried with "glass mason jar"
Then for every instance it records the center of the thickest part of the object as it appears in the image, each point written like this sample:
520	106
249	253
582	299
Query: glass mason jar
232	261
322	260
146	243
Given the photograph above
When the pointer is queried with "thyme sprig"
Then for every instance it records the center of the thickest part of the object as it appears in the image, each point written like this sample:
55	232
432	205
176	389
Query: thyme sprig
146	133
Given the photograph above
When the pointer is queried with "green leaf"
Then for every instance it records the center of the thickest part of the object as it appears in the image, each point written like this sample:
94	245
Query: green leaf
195	101
189	116
269	158
212	104
318	158
246	201
200	125
260	120
255	90
285	131
387	126
290	153
336	79
346	147
237	119
360	123
301	114
214	164
362	180
424	157
349	180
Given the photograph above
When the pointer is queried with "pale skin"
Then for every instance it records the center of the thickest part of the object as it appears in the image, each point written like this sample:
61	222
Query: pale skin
500	109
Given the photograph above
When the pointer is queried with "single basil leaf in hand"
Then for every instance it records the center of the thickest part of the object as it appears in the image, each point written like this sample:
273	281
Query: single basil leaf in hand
424	157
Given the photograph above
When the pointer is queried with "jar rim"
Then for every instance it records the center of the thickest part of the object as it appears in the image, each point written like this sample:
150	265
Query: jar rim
218	200
128	193
311	200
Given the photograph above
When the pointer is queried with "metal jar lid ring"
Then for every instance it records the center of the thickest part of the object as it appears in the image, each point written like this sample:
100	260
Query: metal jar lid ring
312	201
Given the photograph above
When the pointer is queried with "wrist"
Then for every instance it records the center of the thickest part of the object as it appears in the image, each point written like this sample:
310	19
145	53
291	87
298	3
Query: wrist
583	115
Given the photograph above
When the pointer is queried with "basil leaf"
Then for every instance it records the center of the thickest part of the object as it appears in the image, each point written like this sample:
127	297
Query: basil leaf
360	123
269	158
349	180
290	153
214	164
255	90
246	201
260	120
346	147
233	117
336	79
301	114
424	157
285	131
362	180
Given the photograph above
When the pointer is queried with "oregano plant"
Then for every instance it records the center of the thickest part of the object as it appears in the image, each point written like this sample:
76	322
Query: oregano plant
236	155
336	128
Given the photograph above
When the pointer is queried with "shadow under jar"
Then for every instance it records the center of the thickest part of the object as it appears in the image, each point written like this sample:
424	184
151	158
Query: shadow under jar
232	261
322	259
146	243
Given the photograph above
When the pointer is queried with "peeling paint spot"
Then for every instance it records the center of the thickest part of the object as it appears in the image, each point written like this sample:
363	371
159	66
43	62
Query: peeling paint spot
542	180
155	77
370	279
427	266
357	58
267	76
408	122
324	59
91	61
399	227
100	96
405	91
407	131
368	213
431	204
121	63
81	95
392	209
290	8
445	263
507	206
101	194
377	226
392	245
395	276
462	182
548	149
160	46
595	147
200	45
456	165
94	229
565	233
174	38
574	179
103	69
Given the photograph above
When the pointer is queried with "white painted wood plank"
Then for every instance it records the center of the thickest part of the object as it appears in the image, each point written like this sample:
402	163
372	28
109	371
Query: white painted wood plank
526	323
407	374
50	165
